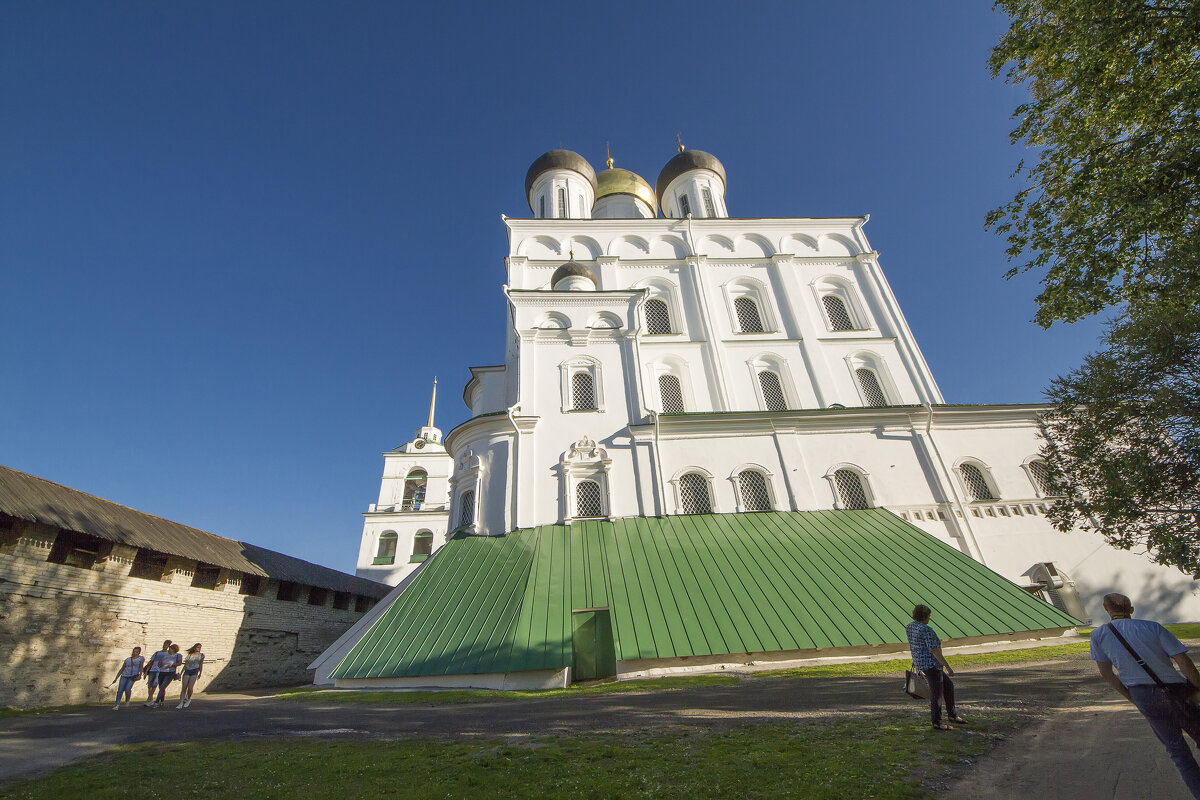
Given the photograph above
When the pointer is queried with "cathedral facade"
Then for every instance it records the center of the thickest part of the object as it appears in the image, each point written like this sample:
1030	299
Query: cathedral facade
663	358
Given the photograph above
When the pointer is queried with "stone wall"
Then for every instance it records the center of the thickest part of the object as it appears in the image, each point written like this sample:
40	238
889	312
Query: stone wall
64	630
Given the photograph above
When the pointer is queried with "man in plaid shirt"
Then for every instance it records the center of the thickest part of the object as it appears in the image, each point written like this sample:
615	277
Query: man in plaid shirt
927	658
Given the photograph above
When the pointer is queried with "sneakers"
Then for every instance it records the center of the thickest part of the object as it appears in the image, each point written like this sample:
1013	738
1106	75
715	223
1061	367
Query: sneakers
117	707
187	702
149	704
181	705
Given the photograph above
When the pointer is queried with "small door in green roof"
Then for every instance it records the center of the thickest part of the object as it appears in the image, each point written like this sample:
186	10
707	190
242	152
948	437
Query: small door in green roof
592	645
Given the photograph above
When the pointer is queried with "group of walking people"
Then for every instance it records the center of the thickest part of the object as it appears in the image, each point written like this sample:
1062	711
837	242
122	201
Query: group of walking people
160	670
1140	659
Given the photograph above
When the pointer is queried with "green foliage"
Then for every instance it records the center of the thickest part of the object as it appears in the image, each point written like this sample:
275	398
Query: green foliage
1123	434
1109	208
885	756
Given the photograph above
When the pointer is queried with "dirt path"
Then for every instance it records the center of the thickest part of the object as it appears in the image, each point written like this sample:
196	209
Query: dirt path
1088	746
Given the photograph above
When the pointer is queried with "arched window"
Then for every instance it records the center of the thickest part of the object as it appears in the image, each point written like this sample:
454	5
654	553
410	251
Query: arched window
706	196
976	485
542	207
868	384
414	490
588	502
693	494
466	508
658	317
748	317
423	543
386	554
563	211
685	205
772	391
1039	471
583	391
752	485
671	394
835	309
850	489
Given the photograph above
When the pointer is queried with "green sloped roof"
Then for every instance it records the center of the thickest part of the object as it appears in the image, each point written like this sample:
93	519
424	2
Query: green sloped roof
686	586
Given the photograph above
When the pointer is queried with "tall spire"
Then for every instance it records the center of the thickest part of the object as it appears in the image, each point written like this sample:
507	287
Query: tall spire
432	401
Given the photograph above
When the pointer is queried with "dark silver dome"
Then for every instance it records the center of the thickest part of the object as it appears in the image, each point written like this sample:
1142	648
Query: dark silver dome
570	269
559	159
686	161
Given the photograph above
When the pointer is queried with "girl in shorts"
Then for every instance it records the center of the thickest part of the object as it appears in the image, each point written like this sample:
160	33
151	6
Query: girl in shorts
193	665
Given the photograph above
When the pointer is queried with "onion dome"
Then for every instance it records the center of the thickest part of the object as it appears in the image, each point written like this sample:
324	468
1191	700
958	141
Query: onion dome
571	269
558	159
686	161
615	180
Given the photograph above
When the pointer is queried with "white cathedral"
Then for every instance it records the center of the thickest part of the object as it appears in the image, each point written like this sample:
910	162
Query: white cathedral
664	358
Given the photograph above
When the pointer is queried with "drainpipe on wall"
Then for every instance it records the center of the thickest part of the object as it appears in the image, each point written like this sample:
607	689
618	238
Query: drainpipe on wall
642	397
972	542
516	460
658	476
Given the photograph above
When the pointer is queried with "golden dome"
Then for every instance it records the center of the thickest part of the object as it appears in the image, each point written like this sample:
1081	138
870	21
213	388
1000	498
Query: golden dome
621	181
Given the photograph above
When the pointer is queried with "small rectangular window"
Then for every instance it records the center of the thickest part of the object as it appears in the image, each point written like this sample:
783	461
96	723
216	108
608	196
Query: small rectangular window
206	576
250	584
341	601
317	596
148	565
685	205
706	196
76	549
361	603
286	591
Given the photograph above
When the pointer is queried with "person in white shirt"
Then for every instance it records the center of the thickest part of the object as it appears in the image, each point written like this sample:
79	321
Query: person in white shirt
130	671
193	665
153	668
1146	662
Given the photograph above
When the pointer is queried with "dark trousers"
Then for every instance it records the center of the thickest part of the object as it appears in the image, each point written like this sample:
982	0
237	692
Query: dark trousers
164	680
940	686
1170	719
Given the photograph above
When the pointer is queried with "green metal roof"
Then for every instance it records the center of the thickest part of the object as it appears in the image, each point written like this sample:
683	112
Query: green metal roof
686	586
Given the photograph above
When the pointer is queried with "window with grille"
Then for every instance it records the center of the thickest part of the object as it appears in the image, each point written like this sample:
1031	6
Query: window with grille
423	543
588	502
977	485
772	391
563	211
850	489
658	317
671	394
693	494
466	508
685	205
749	320
706	196
387	547
583	392
752	485
868	384
839	317
1041	477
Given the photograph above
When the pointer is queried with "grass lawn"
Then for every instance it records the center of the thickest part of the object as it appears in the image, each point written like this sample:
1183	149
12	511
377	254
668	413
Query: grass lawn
894	756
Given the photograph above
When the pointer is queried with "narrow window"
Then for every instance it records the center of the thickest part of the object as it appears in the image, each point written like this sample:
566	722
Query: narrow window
414	490
671	394
685	205
542	207
868	384
749	320
583	392
772	391
587	500
423	543
563	211
579	200
706	196
835	309
693	492
850	489
387	548
658	317
752	485
976	485
466	508
1041	477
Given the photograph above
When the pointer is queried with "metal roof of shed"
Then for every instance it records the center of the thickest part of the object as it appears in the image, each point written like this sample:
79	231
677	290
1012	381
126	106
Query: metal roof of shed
34	499
686	586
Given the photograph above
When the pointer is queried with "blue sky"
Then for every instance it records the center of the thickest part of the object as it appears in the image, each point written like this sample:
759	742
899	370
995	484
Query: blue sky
237	240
